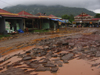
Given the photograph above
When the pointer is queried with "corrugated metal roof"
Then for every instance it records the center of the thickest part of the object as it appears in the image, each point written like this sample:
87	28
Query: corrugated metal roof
4	13
27	15
40	14
24	13
52	16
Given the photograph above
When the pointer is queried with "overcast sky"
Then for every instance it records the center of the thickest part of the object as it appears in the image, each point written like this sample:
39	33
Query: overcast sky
93	5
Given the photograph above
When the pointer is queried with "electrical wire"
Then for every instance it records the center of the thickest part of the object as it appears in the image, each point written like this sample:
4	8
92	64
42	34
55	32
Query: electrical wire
5	2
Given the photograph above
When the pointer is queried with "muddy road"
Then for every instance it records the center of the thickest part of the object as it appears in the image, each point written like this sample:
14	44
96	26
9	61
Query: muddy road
75	53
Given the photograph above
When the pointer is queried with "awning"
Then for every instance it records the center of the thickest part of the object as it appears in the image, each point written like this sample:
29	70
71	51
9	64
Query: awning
63	21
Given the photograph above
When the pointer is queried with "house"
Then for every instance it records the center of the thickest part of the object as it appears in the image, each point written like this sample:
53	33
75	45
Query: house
83	18
96	20
44	21
10	21
30	21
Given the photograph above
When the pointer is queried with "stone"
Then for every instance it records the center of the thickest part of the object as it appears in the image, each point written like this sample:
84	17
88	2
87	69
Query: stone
27	58
60	64
27	62
94	65
44	60
64	44
1	61
65	61
71	44
54	69
1	68
28	51
42	69
79	47
98	54
32	65
49	65
14	71
54	55
67	57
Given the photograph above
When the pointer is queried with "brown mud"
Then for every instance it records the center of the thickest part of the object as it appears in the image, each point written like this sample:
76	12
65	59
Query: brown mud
72	54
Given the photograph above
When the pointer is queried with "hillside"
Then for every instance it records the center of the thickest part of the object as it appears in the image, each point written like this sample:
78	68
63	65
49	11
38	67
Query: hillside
57	10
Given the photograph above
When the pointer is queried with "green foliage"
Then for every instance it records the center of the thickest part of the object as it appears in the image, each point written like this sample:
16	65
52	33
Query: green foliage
97	16
57	10
69	17
8	35
41	31
65	16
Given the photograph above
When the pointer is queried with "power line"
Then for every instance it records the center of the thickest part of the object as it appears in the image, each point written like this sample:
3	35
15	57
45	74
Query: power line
5	2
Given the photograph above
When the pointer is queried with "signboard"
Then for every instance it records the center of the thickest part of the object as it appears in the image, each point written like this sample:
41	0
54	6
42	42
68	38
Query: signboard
90	22
74	22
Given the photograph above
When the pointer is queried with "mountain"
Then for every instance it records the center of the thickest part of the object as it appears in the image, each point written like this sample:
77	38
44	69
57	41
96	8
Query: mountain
56	10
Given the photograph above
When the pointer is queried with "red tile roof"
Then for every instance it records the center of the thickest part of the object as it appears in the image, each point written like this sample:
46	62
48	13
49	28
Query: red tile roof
82	15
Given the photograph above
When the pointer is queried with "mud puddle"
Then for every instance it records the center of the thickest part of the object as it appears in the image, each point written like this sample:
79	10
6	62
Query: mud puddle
75	67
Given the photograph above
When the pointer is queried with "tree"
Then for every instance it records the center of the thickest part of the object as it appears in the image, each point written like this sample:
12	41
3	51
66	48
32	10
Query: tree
65	16
70	18
97	16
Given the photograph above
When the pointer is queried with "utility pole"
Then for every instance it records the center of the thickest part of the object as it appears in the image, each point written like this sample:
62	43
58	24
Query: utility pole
82	18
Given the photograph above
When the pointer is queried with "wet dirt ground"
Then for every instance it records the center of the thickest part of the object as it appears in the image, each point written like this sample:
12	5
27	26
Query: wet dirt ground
66	54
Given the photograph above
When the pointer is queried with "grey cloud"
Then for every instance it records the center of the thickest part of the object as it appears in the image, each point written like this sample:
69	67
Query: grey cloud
89	4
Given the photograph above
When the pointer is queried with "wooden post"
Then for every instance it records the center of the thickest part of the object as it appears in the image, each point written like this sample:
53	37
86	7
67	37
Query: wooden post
24	24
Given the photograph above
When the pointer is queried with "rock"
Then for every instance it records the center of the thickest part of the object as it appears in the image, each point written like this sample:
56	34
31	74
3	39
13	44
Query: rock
49	65
35	61
59	63
54	69
32	65
44	60
14	71
43	53
94	65
79	47
67	57
42	69
28	51
54	55
27	62
65	61
71	44
1	61
65	44
98	54
62	54
57	59
27	58
1	68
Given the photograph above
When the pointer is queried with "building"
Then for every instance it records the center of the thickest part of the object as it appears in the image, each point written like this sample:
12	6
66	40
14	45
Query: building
28	20
83	18
10	21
